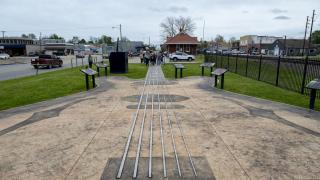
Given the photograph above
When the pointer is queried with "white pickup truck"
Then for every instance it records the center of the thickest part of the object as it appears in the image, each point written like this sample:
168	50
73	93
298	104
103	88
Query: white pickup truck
181	56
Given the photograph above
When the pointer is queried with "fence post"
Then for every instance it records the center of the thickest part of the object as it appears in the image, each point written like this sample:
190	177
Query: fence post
278	71
71	62
228	60
304	75
247	63
260	62
237	63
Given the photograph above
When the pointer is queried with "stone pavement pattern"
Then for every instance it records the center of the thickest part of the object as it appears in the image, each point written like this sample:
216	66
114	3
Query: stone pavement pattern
237	137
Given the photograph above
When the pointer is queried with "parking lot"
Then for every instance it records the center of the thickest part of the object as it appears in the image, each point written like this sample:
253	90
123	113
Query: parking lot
20	66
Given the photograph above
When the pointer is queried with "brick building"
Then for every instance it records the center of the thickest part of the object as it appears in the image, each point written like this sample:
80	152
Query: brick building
182	42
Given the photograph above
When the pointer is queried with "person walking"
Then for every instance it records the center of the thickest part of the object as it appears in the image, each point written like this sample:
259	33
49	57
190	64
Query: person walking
147	57
90	61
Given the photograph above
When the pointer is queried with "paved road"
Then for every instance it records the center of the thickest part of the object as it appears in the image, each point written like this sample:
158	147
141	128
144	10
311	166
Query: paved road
21	70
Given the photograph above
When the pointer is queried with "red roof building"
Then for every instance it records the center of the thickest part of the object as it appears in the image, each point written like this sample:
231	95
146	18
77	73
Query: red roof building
182	42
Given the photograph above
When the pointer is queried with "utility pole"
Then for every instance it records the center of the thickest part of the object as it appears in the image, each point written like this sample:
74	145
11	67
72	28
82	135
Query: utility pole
40	40
204	23
260	44
309	43
120	32
285	45
3	34
305	34
149	41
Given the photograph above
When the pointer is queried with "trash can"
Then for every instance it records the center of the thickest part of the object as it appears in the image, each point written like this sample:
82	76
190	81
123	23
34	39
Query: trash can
118	62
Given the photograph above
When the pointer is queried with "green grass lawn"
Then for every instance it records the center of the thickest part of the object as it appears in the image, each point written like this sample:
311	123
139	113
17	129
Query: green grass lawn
28	90
243	85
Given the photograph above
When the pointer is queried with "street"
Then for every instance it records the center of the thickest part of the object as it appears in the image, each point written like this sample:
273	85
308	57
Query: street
25	69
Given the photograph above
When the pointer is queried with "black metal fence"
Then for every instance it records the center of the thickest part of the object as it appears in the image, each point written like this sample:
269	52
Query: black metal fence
288	73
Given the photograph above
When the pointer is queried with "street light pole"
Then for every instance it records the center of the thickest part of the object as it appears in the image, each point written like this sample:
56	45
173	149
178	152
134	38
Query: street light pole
3	34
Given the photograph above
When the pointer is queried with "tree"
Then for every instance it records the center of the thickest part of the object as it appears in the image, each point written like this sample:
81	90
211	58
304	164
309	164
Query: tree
171	26
55	36
219	39
24	36
168	27
316	37
105	40
32	36
232	39
82	41
125	39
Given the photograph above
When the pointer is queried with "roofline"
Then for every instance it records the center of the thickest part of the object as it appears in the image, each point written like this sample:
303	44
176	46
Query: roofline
182	43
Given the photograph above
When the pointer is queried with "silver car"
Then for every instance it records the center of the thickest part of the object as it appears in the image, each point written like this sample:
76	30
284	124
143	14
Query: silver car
4	56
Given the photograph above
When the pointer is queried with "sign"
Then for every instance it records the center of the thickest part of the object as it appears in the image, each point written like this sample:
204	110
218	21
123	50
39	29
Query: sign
1	47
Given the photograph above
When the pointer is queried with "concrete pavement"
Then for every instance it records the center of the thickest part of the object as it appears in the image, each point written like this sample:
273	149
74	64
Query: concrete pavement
230	136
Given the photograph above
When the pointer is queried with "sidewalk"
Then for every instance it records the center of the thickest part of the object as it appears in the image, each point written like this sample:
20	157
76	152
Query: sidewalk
229	136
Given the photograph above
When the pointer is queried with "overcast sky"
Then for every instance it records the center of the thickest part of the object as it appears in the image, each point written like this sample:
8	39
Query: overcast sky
140	18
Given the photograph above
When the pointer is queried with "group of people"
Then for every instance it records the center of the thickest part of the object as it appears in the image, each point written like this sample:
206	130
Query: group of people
151	57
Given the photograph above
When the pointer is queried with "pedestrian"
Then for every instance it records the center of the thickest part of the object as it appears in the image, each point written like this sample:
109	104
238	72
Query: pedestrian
90	61
142	53
147	57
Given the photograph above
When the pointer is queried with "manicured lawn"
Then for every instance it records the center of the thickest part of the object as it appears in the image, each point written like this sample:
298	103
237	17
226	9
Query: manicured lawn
242	85
28	90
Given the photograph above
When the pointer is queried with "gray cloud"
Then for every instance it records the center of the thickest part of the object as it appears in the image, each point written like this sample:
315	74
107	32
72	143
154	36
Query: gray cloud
177	9
278	11
281	17
172	9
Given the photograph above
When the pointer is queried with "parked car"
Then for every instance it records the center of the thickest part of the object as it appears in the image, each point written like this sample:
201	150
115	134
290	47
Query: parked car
48	61
4	56
33	54
80	56
181	56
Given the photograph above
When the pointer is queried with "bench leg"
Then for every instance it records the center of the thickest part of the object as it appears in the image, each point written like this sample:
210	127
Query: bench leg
202	71
180	73
215	81
93	82
106	71
312	98
87	82
211	70
175	75
98	70
222	81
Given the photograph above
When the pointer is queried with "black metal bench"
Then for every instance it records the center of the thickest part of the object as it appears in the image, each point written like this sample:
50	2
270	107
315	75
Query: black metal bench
178	66
207	65
313	86
89	72
102	65
219	72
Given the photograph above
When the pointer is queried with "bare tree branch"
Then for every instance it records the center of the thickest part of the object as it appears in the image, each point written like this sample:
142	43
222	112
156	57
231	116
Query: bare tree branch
172	26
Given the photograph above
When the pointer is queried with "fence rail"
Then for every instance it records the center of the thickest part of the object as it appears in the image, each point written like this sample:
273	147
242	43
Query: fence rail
286	72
